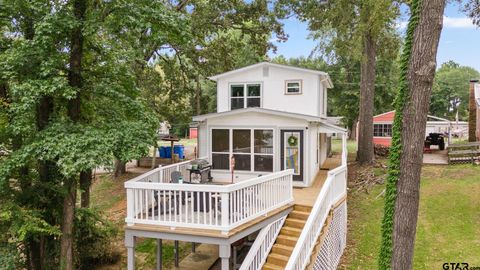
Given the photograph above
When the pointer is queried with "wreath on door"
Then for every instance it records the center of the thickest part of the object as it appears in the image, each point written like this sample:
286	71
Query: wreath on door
292	140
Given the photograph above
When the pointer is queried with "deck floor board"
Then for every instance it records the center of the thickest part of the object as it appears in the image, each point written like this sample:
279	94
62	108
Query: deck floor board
307	196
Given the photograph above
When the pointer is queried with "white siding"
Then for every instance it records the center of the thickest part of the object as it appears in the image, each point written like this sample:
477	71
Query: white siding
273	90
202	145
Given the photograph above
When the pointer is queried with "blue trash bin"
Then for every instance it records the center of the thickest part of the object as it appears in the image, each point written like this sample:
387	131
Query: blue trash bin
180	151
161	151
167	151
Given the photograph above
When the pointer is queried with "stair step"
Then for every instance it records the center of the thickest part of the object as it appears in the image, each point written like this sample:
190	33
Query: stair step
302	208
282	249
291	231
299	214
269	266
287	240
277	259
296	223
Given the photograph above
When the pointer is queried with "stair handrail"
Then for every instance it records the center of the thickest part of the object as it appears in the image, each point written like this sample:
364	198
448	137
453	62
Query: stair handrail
311	231
258	253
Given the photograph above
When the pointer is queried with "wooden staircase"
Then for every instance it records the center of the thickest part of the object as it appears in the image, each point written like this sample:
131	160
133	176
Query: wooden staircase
287	238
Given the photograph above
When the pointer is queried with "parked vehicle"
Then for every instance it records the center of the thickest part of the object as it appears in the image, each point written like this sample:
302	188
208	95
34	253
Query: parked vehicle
435	139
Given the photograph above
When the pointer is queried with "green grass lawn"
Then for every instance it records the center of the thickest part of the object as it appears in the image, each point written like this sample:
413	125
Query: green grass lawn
337	146
448	227
184	142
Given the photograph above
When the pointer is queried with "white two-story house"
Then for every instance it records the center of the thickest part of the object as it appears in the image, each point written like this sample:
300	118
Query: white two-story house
270	117
271	179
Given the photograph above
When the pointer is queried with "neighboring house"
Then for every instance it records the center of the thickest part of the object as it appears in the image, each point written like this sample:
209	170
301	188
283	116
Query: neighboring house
270	117
193	133
164	128
382	127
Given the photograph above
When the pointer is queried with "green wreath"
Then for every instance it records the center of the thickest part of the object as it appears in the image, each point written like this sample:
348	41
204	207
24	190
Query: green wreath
292	140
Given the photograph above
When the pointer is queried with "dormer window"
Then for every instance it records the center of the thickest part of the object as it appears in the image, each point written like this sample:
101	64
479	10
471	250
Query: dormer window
245	95
293	87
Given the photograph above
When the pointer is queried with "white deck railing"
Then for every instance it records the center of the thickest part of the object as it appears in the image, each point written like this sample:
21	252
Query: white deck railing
257	255
152	200
332	191
162	173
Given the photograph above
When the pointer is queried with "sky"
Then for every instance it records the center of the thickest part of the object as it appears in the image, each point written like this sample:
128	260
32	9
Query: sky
460	39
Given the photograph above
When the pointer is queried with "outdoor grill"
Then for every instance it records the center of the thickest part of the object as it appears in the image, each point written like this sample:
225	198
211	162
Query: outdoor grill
201	170
199	164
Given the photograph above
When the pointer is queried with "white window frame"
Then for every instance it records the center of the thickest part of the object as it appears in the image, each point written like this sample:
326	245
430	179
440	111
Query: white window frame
252	148
391	125
245	92
300	85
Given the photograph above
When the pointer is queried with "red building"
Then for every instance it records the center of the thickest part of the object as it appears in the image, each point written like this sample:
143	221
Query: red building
382	128
193	133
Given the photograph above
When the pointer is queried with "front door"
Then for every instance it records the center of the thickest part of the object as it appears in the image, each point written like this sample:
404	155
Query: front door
292	152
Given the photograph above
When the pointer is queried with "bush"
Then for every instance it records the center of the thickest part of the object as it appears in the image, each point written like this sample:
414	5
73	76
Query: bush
381	150
93	236
8	257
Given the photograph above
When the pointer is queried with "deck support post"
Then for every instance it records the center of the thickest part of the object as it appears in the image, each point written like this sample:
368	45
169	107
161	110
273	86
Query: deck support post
176	253
159	254
130	245
224	254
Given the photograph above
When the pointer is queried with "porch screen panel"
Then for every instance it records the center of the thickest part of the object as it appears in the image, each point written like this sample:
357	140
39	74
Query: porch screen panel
220	149
242	149
263	150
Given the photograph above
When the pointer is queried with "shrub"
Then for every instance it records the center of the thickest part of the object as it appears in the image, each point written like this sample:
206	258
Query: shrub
93	236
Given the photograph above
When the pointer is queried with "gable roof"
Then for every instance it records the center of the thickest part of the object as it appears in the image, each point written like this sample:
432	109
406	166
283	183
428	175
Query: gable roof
269	64
309	118
389	116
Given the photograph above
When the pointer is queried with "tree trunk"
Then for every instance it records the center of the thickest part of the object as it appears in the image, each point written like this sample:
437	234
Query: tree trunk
67	239
3	91
367	92
85	183
75	80
198	96
154	156
120	168
472	113
420	77
353	130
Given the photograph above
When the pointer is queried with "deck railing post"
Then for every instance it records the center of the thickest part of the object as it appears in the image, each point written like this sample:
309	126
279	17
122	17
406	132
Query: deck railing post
225	204
159	173
130	208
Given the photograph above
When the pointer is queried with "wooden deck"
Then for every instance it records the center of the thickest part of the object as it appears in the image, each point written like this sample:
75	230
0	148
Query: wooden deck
302	196
307	196
207	232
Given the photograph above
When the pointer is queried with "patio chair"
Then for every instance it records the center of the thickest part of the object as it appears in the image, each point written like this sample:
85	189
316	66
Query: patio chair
175	177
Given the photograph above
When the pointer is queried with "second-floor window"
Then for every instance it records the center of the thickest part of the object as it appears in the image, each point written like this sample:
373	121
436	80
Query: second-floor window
245	95
293	87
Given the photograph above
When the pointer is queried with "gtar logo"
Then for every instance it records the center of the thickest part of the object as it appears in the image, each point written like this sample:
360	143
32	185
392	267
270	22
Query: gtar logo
455	266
